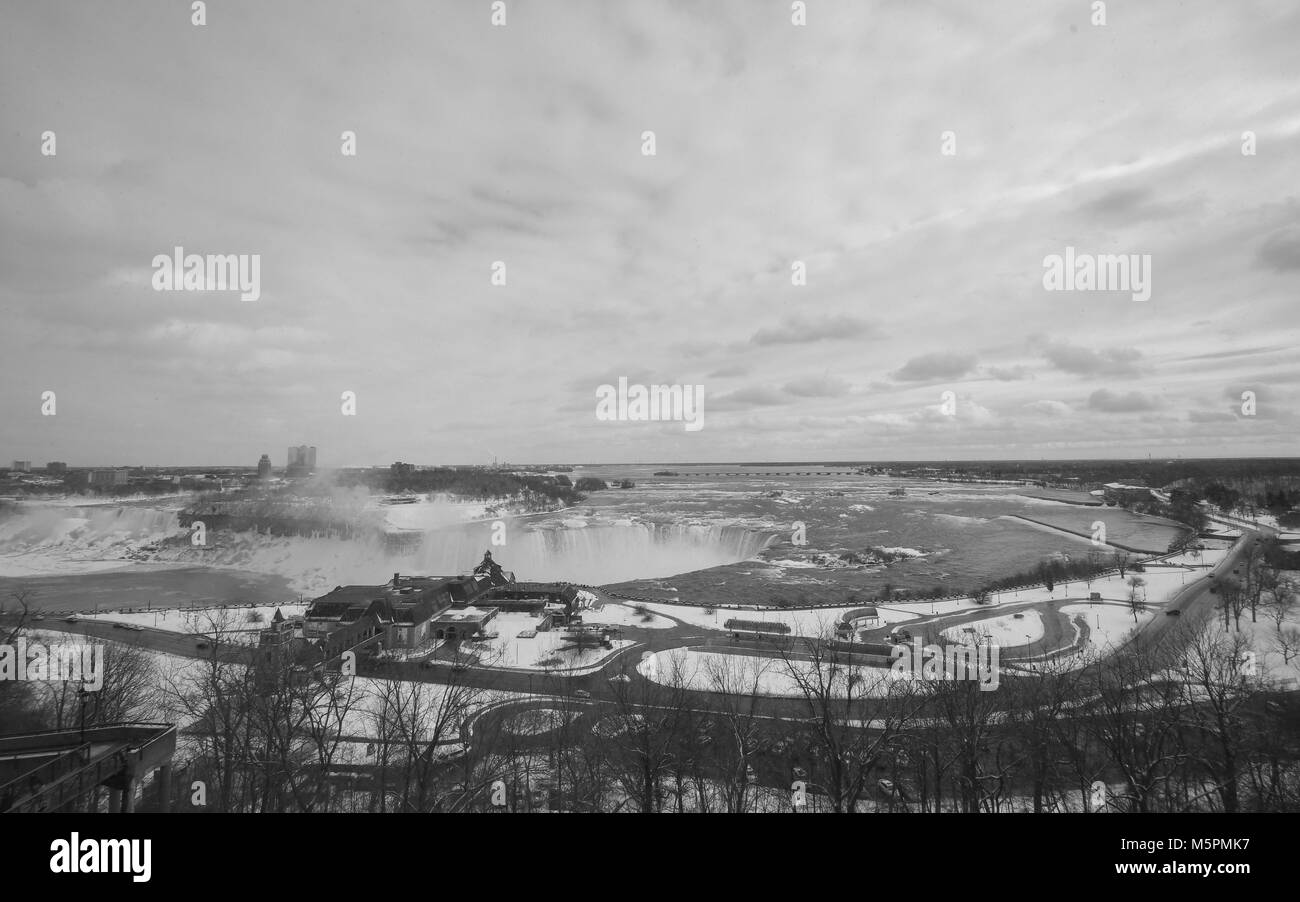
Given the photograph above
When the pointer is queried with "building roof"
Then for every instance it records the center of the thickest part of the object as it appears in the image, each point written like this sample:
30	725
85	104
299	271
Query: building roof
453	616
757	626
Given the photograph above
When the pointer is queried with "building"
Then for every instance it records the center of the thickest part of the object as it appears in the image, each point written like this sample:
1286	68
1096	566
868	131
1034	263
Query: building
22	466
406	612
461	622
1119	493
302	460
56	466
756	629
850	622
349	618
108	478
280	632
560	600
264	467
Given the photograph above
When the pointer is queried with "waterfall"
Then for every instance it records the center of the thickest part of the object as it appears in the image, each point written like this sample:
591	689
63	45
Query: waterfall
594	554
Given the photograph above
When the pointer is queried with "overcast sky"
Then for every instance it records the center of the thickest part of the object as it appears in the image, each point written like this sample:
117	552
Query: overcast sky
523	144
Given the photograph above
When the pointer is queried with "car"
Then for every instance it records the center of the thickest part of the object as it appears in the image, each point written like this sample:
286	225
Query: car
581	693
39	617
119	626
135	628
886	786
201	644
749	772
449	751
428	663
800	773
1174	612
71	618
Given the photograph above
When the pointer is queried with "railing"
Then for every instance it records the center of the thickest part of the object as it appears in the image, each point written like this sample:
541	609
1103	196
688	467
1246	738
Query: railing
130	748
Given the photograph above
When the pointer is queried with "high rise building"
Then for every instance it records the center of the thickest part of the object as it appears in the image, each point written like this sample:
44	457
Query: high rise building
22	466
264	467
302	460
108	477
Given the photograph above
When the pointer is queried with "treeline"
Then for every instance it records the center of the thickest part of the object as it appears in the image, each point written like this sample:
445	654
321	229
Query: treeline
592	484
465	483
1204	733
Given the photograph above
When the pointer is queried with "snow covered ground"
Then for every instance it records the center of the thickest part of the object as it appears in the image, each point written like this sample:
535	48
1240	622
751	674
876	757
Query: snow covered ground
1161	582
1005	631
201	620
625	615
1273	640
707	671
544	651
802	623
1109	625
429	512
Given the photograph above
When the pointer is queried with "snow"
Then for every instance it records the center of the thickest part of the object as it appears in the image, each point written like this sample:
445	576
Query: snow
510	652
430	512
1264	639
706	671
815	622
201	620
1005	631
625	615
1109	625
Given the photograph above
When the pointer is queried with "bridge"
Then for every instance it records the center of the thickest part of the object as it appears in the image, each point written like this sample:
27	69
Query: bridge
767	473
64	770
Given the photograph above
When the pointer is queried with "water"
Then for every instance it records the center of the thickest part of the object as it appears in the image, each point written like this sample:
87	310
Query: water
708	537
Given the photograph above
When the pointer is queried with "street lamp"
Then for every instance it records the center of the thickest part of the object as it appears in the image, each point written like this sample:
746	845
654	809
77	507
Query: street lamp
82	694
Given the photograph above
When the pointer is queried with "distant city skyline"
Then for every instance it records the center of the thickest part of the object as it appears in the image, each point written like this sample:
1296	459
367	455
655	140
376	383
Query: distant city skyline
842	234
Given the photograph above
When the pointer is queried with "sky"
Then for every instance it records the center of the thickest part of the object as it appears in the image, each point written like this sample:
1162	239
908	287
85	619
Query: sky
776	145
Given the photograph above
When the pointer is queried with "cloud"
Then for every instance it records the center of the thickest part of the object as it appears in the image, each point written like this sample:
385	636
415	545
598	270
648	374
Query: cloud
1281	250
1048	408
1086	362
799	331
751	396
1209	416
939	365
1128	205
1104	399
1009	373
817	387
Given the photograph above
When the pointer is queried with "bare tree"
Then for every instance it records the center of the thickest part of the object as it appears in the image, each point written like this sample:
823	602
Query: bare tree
1120	558
1136	595
836	684
1219	674
1136	721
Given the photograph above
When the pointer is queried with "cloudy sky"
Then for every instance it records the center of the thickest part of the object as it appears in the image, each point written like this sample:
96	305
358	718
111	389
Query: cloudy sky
523	144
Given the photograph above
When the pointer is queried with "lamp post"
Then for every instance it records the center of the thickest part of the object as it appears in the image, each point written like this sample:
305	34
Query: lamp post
81	694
